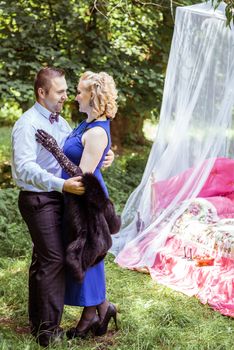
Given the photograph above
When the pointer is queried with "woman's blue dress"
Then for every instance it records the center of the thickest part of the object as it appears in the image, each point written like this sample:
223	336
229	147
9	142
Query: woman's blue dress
92	291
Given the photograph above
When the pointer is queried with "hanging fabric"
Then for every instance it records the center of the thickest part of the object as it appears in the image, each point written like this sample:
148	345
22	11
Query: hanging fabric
193	153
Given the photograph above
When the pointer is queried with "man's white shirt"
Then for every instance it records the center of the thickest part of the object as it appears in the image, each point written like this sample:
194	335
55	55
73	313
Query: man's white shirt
33	167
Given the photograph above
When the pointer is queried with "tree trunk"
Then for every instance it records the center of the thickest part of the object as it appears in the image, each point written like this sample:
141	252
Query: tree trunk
127	129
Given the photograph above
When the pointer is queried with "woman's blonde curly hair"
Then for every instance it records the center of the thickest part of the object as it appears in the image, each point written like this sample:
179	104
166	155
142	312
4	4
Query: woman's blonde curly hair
103	93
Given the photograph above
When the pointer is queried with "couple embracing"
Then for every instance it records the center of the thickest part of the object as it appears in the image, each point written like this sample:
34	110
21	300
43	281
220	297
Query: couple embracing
64	202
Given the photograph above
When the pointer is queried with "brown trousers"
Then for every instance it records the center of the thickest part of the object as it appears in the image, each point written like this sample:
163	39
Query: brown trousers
43	213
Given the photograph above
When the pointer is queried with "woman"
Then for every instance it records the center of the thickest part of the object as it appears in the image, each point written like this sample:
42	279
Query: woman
87	146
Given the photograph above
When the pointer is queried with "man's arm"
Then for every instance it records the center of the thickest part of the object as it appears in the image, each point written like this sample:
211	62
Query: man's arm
25	152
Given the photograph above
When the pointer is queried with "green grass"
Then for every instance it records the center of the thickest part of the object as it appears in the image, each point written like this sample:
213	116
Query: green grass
150	316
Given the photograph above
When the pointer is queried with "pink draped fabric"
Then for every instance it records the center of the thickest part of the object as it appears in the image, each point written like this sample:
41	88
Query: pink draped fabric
219	182
211	284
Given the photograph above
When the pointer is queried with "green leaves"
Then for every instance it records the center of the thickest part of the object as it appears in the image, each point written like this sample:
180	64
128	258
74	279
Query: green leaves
229	11
128	39
122	40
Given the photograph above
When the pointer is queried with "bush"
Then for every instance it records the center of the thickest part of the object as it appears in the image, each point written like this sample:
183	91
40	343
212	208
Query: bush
10	111
15	240
124	176
6	180
5	145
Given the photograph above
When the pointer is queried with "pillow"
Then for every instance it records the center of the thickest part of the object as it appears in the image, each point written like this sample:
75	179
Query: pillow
220	182
221	179
223	205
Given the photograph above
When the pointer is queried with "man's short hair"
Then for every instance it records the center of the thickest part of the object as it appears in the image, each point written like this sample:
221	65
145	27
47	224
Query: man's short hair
44	76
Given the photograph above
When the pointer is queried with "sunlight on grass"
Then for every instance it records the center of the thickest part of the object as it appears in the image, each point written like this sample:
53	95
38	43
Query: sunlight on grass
11	266
150	316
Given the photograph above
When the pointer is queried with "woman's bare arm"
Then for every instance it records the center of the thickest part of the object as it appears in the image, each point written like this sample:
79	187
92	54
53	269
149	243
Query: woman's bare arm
94	141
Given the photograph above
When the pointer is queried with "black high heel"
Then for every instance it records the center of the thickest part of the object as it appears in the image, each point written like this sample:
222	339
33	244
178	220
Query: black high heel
111	312
92	326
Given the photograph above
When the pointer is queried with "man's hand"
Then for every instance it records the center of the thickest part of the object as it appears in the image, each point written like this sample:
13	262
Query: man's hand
74	185
109	158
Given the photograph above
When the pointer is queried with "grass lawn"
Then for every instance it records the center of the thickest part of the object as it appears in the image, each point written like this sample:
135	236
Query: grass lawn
150	316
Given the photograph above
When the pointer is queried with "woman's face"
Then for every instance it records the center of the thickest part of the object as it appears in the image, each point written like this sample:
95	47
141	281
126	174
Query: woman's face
83	97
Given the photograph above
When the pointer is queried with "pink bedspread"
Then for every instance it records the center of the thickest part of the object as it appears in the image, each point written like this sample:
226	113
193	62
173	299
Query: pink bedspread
211	284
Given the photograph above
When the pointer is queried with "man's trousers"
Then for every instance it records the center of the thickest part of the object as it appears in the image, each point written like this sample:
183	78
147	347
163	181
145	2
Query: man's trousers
43	212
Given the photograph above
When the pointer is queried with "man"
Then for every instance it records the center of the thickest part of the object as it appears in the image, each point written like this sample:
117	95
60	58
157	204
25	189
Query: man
37	173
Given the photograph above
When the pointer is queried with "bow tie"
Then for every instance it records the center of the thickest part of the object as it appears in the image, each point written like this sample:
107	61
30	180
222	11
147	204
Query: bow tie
54	117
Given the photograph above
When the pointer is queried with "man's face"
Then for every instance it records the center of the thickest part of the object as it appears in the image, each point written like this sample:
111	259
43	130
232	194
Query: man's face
54	99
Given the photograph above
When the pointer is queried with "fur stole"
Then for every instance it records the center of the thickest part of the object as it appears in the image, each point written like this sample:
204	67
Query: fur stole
90	220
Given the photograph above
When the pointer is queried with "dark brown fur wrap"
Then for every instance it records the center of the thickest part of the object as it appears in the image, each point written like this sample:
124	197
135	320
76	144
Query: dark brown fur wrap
90	221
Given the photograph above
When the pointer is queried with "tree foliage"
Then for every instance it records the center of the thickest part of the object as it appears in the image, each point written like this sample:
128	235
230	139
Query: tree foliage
130	39
124	38
229	10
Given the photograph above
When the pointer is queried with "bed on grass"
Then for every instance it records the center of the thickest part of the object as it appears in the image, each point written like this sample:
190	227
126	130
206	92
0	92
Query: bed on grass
198	255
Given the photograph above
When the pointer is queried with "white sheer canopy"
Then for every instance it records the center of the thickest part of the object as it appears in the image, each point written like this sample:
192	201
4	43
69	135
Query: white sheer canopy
195	129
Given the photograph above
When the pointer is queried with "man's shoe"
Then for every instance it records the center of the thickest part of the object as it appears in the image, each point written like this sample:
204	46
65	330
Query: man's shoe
46	338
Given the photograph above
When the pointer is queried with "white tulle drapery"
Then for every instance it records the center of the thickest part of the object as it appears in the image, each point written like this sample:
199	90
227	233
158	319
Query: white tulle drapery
195	129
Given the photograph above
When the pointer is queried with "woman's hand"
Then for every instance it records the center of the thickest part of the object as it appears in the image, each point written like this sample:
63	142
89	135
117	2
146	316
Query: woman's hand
46	140
109	158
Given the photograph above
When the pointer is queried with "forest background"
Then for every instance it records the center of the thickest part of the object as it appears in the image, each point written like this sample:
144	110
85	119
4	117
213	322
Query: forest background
130	40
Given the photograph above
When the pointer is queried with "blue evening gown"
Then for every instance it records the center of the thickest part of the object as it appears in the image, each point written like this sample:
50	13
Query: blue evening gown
92	291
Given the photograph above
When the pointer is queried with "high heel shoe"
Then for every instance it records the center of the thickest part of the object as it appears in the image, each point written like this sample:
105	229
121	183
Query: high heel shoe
111	312
76	333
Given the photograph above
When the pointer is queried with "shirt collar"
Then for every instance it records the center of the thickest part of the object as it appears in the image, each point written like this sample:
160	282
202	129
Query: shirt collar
42	110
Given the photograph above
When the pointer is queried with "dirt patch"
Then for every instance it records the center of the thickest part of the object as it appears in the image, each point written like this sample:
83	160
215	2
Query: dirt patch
106	341
11	323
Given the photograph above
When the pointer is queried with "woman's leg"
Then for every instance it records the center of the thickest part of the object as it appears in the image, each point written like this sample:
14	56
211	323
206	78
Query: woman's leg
102	309
106	311
90	293
89	321
88	314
